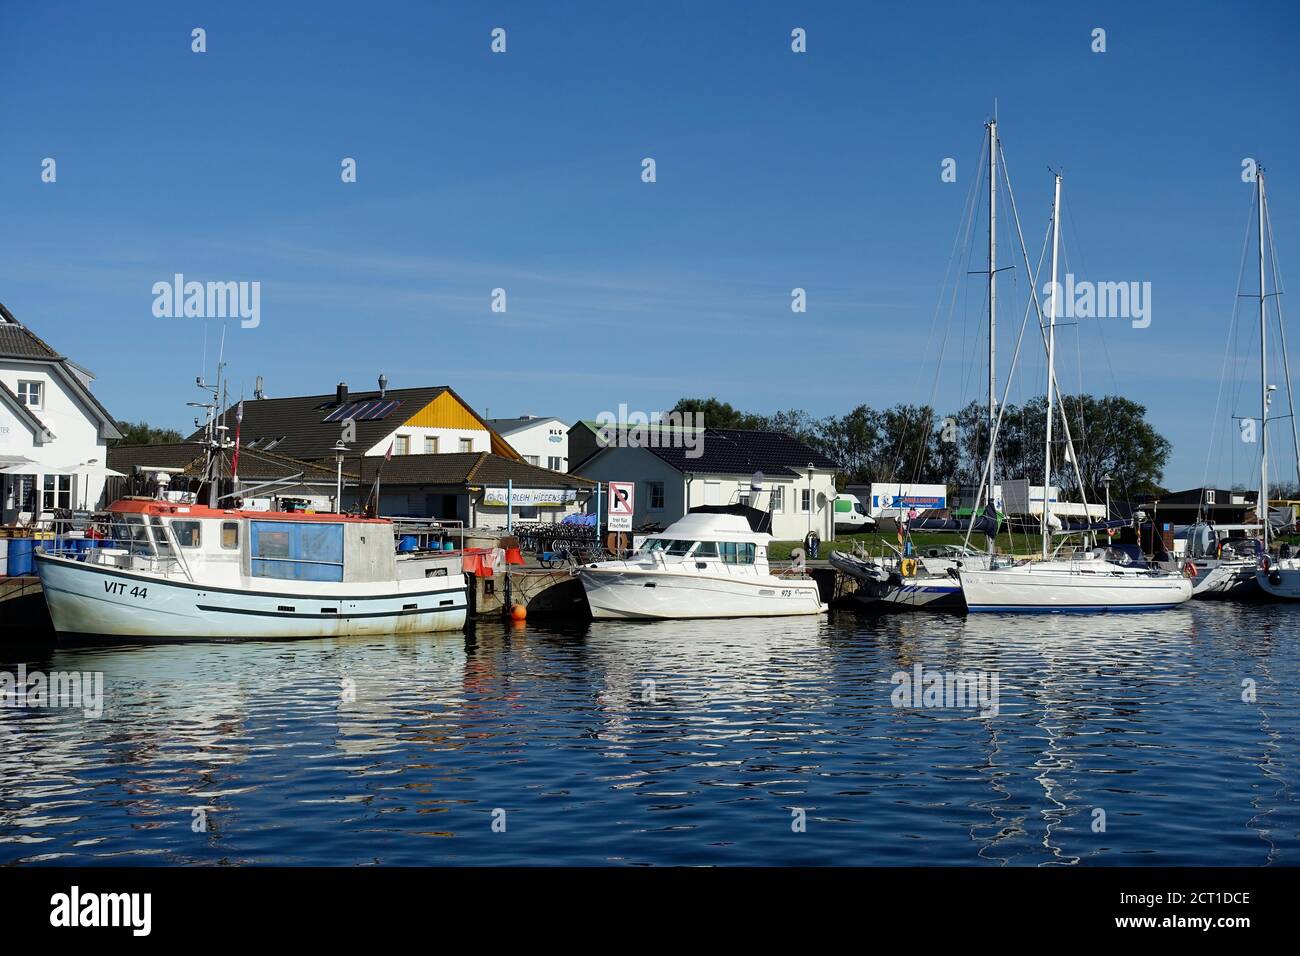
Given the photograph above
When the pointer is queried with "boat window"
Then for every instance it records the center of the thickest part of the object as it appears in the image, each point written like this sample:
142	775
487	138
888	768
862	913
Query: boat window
306	551
230	535
654	544
132	535
737	552
679	547
187	533
707	549
160	535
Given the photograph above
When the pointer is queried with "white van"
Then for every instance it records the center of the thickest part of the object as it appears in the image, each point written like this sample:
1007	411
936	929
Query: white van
850	515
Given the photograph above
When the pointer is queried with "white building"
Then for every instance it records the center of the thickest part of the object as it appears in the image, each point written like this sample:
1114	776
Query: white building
54	433
540	440
797	485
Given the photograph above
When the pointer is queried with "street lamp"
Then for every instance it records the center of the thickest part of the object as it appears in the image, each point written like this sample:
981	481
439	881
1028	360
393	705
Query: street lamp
1105	480
340	450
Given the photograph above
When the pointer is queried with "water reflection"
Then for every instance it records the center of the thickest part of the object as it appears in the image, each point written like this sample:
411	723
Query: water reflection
1116	739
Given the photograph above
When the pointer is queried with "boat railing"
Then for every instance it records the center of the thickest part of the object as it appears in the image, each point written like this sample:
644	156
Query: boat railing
114	539
416	535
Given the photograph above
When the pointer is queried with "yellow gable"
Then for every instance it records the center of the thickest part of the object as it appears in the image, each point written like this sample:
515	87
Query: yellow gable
448	411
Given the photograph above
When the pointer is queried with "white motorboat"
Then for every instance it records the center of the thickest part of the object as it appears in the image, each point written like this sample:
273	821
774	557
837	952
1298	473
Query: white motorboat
1224	566
927	582
1086	584
709	563
159	569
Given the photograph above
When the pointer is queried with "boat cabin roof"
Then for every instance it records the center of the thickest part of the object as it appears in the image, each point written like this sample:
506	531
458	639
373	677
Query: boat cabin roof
173	509
712	527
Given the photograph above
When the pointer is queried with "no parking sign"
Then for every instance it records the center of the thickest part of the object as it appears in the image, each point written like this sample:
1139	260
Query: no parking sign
622	504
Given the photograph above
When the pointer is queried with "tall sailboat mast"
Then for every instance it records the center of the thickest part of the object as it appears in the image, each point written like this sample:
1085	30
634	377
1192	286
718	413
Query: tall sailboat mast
993	298
1051	370
1262	509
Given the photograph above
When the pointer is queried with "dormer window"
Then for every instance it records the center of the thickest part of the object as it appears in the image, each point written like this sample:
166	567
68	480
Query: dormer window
32	394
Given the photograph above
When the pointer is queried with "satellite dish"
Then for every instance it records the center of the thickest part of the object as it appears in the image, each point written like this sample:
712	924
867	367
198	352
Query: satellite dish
756	483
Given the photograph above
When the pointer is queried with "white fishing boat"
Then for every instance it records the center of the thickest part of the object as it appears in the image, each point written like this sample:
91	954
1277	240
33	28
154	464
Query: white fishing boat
1086	582
710	563
158	569
168	567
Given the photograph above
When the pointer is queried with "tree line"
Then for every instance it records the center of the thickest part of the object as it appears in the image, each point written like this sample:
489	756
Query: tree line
915	443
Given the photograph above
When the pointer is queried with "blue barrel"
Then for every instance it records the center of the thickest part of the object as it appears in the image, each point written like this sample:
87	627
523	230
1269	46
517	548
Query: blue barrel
20	556
448	546
409	542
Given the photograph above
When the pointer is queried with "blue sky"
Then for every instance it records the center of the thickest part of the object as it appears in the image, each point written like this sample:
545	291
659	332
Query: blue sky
523	171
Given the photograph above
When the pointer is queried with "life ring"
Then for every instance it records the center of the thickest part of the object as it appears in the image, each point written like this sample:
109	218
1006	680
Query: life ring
1263	563
1189	570
908	567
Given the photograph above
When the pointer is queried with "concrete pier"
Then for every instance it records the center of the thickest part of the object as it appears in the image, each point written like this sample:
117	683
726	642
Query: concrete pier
22	610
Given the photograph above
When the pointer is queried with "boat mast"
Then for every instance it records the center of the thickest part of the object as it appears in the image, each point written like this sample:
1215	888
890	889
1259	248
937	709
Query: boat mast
993	295
1051	368
1262	509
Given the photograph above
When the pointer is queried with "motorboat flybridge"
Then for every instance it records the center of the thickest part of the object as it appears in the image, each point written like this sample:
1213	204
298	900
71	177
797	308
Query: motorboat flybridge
712	562
158	569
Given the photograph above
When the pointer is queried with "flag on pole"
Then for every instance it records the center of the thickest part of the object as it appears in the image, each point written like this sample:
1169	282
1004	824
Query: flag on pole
239	420
388	455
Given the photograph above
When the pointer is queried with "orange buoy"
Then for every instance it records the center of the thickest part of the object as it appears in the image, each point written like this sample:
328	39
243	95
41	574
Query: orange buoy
518	612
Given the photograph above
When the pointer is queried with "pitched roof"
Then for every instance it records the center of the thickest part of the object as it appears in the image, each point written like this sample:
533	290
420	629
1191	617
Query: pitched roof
299	421
18	341
22	410
253	465
507	425
738	451
466	468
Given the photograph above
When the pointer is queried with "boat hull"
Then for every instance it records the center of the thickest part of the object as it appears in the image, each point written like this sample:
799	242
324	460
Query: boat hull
1279	584
1226	581
630	594
1027	589
94	601
915	594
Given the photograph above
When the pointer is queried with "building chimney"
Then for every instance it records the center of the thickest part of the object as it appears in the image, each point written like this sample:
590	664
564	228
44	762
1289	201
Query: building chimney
341	394
259	392
383	384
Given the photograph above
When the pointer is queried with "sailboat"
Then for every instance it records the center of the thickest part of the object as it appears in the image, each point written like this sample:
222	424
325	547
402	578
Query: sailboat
929	581
1087	582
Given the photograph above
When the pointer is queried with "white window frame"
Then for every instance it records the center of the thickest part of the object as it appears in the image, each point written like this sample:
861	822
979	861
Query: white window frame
466	444
431	444
805	501
776	500
401	444
25	389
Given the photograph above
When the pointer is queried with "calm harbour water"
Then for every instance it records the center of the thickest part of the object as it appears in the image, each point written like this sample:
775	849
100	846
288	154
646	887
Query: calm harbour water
746	723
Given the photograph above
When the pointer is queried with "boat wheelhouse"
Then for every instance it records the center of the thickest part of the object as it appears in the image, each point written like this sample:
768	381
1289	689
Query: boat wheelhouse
153	568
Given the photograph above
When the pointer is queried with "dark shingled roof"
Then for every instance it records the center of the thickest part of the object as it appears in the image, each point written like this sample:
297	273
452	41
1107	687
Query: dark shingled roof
466	468
17	341
253	465
299	421
738	451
